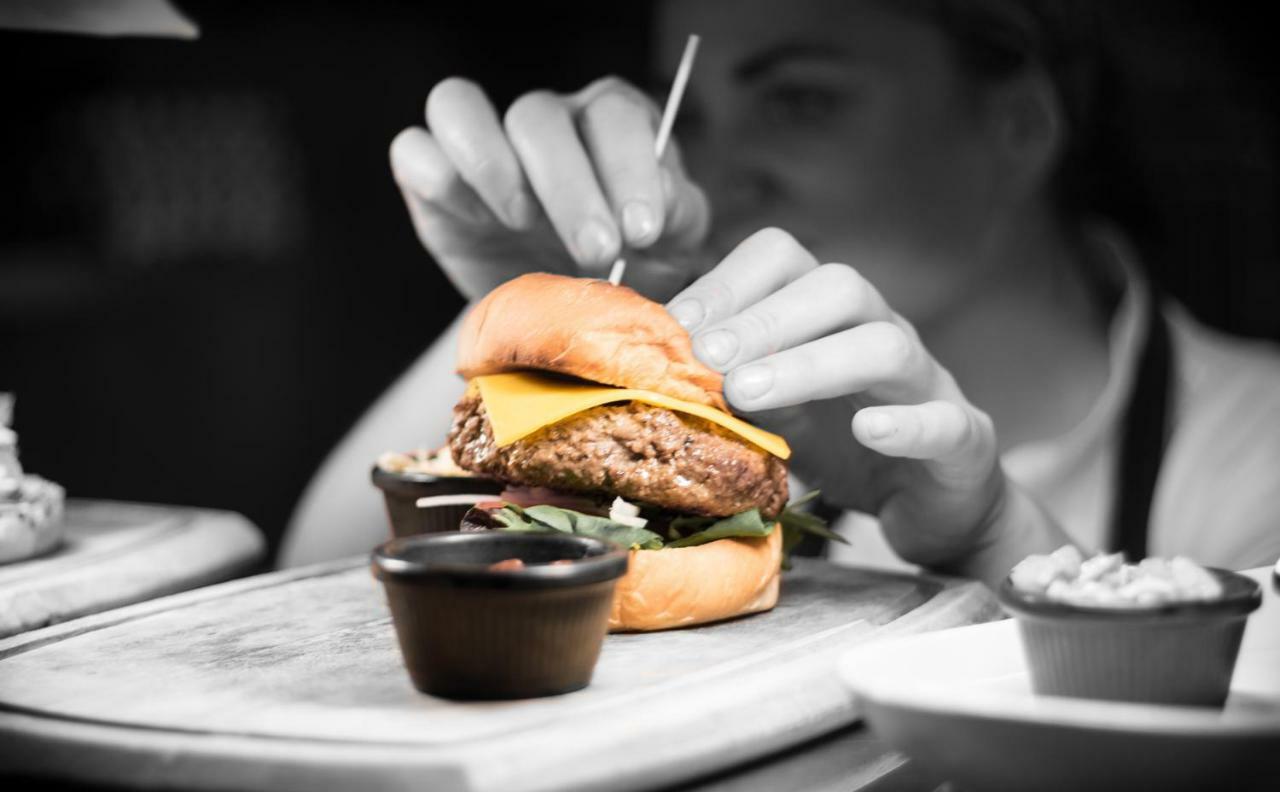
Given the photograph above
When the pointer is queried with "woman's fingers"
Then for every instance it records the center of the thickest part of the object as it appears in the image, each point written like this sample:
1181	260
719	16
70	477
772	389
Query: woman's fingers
787	331
466	128
822	301
759	266
430	183
947	432
881	360
543	133
583	160
618	123
618	133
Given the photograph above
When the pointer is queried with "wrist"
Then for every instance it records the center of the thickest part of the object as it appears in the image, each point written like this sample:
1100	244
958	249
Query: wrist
1015	527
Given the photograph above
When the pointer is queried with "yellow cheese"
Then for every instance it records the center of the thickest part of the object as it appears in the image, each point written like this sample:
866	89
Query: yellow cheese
520	404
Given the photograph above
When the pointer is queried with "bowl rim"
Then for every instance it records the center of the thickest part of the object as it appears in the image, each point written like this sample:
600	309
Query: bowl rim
609	563
1241	596
378	474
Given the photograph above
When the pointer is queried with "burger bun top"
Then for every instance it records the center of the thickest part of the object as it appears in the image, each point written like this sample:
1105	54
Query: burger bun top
585	328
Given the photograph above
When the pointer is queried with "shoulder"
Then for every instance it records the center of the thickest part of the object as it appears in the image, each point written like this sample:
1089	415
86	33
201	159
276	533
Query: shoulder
1221	477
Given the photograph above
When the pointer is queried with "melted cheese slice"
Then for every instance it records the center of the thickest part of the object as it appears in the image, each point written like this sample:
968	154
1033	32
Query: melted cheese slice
520	404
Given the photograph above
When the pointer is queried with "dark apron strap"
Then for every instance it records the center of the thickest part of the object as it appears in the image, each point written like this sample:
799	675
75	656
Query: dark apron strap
1144	437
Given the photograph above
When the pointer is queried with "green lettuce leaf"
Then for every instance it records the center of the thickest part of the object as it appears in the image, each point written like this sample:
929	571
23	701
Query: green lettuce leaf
556	518
626	535
544	518
682	531
796	524
743	524
512	517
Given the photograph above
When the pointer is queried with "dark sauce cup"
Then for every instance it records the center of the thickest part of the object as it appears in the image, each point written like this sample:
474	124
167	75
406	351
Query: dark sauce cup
470	632
1178	653
401	492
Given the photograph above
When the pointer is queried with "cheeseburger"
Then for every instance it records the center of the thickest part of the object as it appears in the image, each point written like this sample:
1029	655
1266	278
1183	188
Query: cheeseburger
586	400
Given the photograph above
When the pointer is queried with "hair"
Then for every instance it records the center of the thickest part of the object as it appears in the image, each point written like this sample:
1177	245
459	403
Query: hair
994	40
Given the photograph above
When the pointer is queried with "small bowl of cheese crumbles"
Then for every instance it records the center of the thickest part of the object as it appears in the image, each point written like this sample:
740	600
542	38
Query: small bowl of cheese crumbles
31	508
1164	631
431	477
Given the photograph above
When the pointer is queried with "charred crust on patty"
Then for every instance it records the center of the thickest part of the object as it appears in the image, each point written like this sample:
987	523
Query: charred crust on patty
640	452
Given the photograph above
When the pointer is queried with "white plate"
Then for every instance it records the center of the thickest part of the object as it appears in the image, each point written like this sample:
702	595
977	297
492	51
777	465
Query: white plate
959	702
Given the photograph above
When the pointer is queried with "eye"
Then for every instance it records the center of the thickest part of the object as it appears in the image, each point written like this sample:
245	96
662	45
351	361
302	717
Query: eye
802	104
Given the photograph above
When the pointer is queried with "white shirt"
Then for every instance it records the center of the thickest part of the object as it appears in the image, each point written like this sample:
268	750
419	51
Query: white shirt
1217	498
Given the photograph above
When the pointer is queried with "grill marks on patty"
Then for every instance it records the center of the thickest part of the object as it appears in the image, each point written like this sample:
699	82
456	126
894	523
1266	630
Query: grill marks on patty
643	453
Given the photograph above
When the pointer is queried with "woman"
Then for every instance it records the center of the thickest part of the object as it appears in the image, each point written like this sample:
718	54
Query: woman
896	273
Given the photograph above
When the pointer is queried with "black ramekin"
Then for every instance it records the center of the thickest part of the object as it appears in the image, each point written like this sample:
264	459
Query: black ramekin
1177	653
469	632
401	491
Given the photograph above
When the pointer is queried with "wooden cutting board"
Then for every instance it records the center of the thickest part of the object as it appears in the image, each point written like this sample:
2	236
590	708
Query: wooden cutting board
116	553
293	681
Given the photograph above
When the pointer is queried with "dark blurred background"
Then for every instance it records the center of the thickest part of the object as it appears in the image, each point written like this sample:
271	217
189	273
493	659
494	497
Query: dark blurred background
206	273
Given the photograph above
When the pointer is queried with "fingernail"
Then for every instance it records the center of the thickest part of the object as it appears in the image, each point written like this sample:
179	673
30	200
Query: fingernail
689	313
879	425
520	211
718	347
638	223
595	242
752	382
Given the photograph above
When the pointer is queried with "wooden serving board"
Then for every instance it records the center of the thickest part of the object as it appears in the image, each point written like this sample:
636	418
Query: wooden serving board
293	681
116	553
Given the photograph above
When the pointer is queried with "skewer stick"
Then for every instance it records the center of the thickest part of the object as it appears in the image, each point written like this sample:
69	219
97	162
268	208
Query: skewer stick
677	94
664	128
615	274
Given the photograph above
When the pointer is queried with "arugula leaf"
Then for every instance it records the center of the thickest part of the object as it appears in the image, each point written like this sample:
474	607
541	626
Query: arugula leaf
551	516
628	536
688	531
680	526
805	523
743	524
544	517
790	540
513	519
804	499
796	524
802	522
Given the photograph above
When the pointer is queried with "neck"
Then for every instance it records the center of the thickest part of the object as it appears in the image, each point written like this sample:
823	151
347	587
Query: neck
1029	345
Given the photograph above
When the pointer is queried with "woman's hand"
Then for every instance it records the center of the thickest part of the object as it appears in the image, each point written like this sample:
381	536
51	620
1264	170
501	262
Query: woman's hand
884	427
561	184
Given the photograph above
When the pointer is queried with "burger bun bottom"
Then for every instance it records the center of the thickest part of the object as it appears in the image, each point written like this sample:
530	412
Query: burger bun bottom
681	587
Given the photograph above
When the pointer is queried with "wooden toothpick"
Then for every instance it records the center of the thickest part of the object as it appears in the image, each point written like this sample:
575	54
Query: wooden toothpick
664	129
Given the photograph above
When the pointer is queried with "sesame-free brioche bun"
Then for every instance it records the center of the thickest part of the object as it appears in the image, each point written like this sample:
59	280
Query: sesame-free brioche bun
684	586
609	334
585	328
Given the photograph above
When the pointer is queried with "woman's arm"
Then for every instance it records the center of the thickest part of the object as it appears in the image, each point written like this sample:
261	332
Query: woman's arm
341	513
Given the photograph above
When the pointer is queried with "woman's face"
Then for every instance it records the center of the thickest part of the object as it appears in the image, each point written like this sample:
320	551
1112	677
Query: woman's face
851	128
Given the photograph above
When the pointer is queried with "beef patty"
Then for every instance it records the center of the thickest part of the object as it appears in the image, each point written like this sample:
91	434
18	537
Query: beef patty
643	453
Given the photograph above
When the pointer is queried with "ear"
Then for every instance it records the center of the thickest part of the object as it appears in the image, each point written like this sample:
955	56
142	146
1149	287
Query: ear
1030	128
